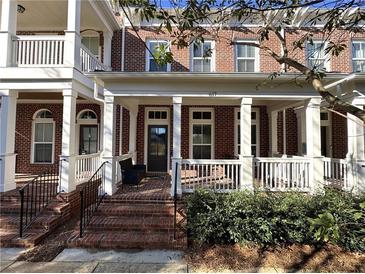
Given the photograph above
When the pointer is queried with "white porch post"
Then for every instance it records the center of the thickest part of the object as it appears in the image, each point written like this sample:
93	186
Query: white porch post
107	48
355	150
176	149
68	152
109	144
313	142
133	133
7	139
72	34
273	133
246	174
7	31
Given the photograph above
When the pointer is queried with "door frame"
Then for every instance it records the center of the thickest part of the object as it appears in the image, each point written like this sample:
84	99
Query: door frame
157	122
97	136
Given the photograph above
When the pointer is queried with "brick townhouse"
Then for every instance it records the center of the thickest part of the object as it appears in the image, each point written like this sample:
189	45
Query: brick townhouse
78	86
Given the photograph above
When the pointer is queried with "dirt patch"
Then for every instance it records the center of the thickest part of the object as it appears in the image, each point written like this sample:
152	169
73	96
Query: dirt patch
52	245
301	258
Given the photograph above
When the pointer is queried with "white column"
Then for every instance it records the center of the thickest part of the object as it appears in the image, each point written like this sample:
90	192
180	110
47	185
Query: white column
133	113
313	142
7	31
246	174
355	150
7	139
274	133
176	148
107	51
68	152
109	144
72	34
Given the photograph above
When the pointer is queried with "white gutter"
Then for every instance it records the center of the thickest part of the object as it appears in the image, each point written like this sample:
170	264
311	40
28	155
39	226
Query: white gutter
96	90
346	79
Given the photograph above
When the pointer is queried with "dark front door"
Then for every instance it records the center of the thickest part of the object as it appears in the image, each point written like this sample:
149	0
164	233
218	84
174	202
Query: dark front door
157	148
88	139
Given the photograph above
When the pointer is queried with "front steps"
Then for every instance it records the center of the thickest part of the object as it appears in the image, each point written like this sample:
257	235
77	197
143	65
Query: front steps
48	220
133	224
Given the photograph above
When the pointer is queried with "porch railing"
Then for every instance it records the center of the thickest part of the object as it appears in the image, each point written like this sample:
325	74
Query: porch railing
86	165
282	174
218	175
89	62
42	50
336	172
37	194
91	195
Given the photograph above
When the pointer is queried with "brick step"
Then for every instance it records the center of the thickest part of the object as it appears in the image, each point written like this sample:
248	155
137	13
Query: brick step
145	201
54	208
127	240
41	222
10	237
106	223
116	209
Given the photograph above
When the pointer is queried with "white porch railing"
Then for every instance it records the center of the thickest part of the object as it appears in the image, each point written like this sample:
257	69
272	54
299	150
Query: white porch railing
86	165
42	50
336	172
282	174
218	175
89	62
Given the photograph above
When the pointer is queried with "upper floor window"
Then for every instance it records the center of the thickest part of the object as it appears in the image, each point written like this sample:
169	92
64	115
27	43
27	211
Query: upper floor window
247	58
202	57
358	56
316	55
155	48
92	43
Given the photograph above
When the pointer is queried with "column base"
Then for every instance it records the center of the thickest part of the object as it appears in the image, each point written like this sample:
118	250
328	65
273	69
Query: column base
110	174
246	178
67	173
7	172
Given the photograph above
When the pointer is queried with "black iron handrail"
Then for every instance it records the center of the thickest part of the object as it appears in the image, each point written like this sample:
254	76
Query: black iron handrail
91	195
175	198
36	195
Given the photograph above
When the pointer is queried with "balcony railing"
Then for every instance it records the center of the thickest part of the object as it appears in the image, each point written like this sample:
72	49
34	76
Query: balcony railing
89	62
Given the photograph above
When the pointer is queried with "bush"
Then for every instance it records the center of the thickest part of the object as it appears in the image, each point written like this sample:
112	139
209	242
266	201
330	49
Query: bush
269	219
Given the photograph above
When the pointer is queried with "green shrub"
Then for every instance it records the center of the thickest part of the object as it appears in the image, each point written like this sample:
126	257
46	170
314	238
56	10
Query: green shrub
275	218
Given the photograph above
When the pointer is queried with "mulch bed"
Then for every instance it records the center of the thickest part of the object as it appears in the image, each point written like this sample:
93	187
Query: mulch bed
302	258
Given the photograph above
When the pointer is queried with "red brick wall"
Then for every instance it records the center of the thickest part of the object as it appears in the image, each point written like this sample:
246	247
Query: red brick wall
291	132
23	136
116	51
339	136
264	132
125	125
280	136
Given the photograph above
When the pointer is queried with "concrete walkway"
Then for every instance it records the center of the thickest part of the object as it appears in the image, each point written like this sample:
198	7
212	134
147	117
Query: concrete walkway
89	260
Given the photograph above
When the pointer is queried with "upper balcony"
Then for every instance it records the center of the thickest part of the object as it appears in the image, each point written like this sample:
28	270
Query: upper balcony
57	34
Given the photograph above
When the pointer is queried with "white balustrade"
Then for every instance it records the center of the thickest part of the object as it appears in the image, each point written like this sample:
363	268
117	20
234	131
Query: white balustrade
282	174
41	50
336	172
217	175
89	62
86	166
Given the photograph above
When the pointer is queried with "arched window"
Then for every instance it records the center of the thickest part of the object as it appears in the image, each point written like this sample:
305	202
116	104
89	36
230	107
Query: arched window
43	137
88	132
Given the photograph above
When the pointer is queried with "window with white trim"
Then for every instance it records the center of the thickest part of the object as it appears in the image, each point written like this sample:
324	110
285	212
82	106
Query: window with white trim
43	137
202	57
316	55
247	58
88	129
358	56
93	44
255	132
156	46
201	133
157	114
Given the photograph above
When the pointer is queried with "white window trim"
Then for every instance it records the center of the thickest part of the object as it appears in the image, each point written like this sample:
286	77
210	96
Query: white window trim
353	53
149	57
256	58
201	122
253	122
328	123
327	59
42	120
80	122
212	58
163	122
87	34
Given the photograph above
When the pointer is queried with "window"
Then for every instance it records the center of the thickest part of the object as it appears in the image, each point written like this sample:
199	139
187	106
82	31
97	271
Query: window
92	43
201	134
255	133
316	56
157	115
87	114
202	57
88	129
43	137
247	58
358	56
155	46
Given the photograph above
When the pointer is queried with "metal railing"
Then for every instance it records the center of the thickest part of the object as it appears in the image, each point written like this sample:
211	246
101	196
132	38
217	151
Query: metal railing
36	195
91	195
